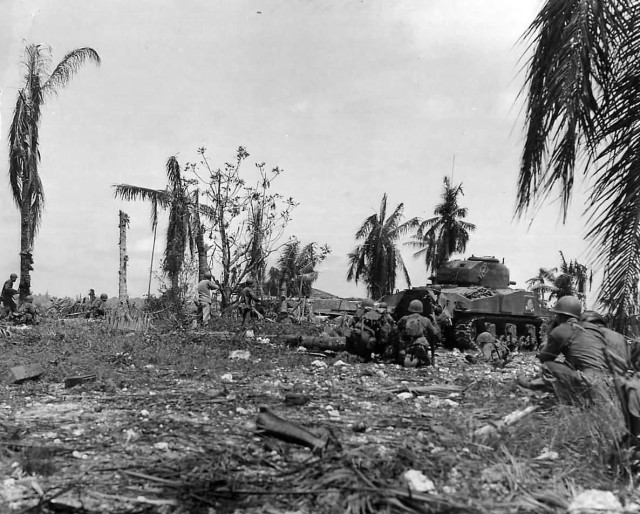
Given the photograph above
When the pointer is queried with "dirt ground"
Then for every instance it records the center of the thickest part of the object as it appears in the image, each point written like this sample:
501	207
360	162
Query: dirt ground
169	425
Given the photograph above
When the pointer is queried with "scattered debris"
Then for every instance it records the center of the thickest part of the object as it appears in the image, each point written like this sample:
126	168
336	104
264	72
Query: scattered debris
417	481
270	424
593	501
509	419
70	382
242	355
20	374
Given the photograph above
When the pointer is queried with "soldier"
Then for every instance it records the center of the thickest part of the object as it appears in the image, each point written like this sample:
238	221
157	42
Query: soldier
247	300
284	316
99	307
204	288
26	313
417	337
365	336
8	292
584	373
615	341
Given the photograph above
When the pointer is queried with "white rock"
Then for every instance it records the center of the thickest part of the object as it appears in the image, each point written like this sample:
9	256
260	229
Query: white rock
319	364
405	395
161	446
227	377
416	481
340	363
301	349
249	334
593	501
144	413
240	355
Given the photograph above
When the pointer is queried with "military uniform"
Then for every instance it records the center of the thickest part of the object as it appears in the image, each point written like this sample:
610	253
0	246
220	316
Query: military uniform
8	292
204	288
417	338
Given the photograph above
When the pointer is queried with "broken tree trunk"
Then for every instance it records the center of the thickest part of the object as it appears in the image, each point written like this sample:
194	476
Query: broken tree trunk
123	297
335	344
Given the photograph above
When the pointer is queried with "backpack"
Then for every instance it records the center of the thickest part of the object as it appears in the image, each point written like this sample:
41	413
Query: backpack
414	327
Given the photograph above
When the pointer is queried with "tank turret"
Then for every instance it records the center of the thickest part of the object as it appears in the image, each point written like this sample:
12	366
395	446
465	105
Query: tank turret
474	271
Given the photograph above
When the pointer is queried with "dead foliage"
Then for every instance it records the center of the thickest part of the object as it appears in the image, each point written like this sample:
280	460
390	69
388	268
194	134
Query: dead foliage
172	424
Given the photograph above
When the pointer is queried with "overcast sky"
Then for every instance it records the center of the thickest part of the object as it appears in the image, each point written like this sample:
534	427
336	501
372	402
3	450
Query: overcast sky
353	99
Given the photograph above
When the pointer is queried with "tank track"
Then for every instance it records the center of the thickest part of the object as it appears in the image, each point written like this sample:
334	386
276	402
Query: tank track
466	330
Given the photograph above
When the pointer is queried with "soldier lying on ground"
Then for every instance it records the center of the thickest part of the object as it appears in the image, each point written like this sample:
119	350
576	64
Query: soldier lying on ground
417	337
370	331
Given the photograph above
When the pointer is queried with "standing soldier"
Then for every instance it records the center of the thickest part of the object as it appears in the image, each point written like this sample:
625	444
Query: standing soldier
8	292
417	337
247	300
204	287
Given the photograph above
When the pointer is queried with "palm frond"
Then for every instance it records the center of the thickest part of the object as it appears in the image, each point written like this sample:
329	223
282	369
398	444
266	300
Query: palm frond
68	67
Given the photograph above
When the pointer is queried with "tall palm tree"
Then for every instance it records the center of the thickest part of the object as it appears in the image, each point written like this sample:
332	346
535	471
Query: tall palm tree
446	233
377	259
24	142
583	109
542	283
179	201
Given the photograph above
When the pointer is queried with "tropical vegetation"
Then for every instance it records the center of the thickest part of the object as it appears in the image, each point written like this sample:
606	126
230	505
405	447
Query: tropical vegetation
24	141
569	279
444	234
377	259
583	116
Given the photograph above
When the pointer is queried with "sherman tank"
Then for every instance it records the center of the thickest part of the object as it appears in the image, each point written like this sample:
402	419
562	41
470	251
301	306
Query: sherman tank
476	295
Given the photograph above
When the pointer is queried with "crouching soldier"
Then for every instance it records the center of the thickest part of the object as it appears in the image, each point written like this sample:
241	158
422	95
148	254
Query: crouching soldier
26	313
366	335
417	338
99	307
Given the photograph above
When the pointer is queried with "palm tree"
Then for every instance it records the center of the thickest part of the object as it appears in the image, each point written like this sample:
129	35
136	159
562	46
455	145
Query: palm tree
180	234
542	283
377	259
24	142
444	234
296	266
583	106
570	279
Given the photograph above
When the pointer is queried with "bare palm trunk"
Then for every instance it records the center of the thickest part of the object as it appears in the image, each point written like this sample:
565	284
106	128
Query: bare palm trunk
203	265
26	255
122	273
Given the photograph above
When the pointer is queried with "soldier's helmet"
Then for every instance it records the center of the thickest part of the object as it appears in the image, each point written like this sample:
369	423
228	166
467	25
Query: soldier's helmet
367	302
569	306
207	275
415	306
13	276
592	317
104	296
437	309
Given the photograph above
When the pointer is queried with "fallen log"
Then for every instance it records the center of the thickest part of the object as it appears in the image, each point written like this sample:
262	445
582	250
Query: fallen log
270	424
321	343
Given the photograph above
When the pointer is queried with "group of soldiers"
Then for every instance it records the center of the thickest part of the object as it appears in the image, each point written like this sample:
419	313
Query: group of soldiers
247	300
96	306
593	356
411	341
26	313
